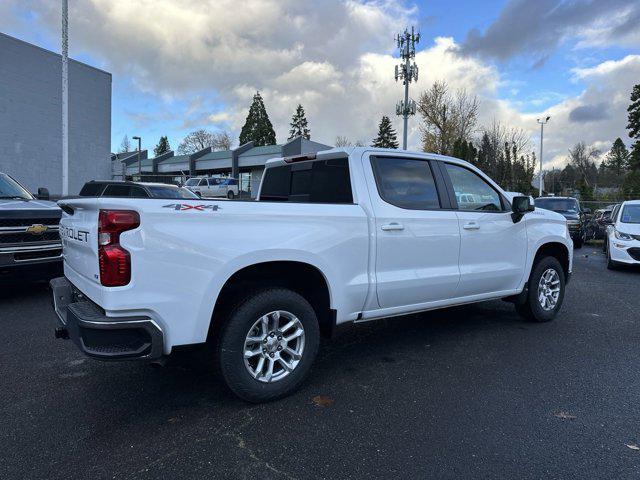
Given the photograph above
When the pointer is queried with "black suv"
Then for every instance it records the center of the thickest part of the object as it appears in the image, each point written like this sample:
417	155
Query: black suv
30	247
96	188
568	207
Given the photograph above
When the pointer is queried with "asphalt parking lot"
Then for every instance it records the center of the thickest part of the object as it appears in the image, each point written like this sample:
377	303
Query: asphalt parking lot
471	392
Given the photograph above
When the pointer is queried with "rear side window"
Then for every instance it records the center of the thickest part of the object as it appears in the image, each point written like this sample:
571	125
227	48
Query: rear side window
91	189
318	181
124	191
406	182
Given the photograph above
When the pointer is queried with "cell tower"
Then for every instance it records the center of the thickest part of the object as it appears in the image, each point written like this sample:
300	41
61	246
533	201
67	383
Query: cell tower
407	72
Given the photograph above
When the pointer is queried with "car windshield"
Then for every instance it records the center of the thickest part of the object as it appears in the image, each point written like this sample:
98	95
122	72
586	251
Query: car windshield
630	214
192	182
9	188
558	204
170	192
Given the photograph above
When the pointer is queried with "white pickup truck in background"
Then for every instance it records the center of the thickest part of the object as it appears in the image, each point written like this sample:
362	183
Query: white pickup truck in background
344	235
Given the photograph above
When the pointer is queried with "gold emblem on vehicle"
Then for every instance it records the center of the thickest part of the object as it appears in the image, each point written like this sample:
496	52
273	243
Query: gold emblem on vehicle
37	229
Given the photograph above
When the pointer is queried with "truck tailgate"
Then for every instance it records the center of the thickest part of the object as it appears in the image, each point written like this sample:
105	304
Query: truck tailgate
79	234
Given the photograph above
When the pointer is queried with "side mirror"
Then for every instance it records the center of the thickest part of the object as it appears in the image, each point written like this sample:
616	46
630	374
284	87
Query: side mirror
43	194
521	205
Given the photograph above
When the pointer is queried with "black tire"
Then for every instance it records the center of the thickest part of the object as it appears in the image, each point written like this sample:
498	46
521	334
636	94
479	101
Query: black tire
531	308
231	338
230	195
611	264
578	242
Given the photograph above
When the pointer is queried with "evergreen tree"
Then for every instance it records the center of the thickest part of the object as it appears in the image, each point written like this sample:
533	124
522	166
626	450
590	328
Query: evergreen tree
299	125
162	146
634	128
386	135
617	159
258	127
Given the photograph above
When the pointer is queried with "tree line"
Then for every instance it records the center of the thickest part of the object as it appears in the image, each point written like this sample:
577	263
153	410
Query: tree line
449	126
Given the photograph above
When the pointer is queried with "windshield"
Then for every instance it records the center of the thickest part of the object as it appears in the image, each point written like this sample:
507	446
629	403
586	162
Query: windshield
630	214
9	188
192	182
558	204
170	192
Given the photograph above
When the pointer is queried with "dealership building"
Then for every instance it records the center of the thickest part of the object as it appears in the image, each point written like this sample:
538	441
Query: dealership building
246	163
31	118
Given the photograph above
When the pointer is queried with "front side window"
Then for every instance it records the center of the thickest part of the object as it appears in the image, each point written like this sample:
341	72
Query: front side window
9	188
203	183
472	191
406	182
630	214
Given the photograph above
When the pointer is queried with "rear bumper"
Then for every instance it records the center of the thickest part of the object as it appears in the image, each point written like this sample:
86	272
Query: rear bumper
99	336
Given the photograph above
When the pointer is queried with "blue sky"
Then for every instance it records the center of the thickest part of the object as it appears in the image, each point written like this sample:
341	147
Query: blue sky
195	64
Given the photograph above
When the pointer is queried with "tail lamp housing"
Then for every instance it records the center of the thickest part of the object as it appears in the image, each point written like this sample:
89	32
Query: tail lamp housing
114	260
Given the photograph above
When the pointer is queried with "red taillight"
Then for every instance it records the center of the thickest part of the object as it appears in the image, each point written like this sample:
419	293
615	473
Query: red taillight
115	262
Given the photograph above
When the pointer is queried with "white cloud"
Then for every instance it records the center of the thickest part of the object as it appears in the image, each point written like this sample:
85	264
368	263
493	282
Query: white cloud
335	57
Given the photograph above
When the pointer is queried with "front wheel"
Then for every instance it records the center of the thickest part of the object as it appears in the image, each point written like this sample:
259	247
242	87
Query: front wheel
268	344
546	291
611	264
578	242
230	195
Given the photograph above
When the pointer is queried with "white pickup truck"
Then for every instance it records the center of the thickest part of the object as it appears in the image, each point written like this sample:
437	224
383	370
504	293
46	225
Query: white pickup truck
341	236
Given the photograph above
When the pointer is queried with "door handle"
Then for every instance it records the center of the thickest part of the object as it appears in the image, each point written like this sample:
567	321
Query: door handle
393	226
471	226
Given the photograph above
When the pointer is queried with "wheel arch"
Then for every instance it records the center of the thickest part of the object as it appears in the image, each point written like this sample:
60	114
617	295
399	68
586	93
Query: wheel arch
304	278
557	250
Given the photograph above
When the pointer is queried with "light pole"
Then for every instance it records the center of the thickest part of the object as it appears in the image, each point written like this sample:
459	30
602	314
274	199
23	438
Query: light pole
542	124
139	162
65	97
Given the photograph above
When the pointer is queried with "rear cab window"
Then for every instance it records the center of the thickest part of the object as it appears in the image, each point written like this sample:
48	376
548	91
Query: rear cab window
124	190
314	181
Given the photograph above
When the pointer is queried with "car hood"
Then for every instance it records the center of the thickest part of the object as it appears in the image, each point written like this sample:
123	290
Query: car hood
26	205
630	228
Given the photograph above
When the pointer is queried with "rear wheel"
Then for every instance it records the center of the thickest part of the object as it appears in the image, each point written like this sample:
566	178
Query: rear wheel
230	195
546	291
268	344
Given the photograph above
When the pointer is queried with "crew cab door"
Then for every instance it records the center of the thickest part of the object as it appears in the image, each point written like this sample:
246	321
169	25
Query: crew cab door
493	249
417	234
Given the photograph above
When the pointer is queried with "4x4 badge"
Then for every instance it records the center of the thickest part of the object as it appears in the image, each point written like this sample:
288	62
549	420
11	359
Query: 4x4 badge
185	206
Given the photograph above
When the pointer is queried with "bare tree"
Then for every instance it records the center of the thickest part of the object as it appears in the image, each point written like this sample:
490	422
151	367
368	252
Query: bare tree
199	139
125	146
446	117
583	159
222	141
342	141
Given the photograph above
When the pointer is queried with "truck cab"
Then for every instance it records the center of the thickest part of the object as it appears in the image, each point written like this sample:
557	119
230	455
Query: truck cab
30	247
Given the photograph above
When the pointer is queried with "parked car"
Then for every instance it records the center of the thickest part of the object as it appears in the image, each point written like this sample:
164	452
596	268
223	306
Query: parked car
597	226
569	208
30	247
341	236
622	242
134	190
213	187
